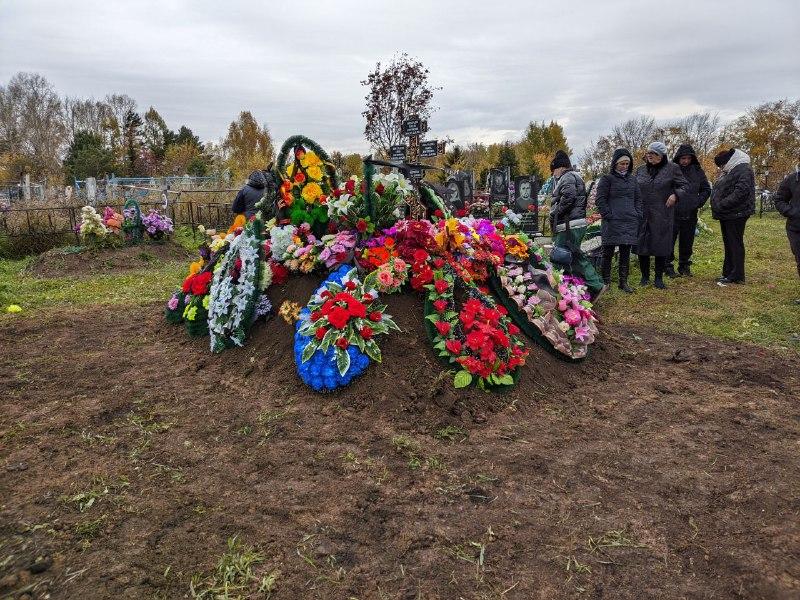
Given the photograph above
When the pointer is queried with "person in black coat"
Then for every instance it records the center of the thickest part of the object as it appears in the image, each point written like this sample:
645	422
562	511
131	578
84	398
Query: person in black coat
697	192
619	202
662	185
733	201
249	195
787	201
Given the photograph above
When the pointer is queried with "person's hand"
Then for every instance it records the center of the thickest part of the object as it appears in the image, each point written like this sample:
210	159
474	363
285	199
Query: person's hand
671	200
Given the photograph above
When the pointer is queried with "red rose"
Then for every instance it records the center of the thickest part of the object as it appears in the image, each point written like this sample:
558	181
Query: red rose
299	152
339	317
441	286
299	178
368	298
320	333
357	309
513	329
420	256
337	192
440	305
238	264
350	285
375	316
187	284
280	274
332	227
361	225
461	212
342	343
453	346
200	283
316	315
366	332
438	213
379	188
443	327
475	340
500	226
438	262
350	187
502	310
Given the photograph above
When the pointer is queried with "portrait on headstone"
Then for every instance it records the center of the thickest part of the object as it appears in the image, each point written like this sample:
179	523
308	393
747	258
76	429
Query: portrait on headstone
525	193
455	193
498	184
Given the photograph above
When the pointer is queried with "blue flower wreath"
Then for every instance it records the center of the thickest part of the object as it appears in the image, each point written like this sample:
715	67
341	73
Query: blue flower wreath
320	372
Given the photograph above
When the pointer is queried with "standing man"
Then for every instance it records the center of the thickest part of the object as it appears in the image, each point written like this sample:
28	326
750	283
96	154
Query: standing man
697	192
787	201
733	201
569	206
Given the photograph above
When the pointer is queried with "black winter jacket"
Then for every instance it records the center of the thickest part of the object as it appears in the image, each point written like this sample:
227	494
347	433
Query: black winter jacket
249	195
787	200
620	204
734	195
656	185
569	198
698	190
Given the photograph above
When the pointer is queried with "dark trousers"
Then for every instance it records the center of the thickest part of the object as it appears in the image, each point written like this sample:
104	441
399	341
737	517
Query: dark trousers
794	244
624	263
644	266
683	233
733	240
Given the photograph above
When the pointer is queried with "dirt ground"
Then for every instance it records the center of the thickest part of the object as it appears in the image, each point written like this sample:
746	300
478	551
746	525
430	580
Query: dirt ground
61	263
664	466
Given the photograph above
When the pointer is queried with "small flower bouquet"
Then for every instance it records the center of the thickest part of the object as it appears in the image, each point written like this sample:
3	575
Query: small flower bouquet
156	225
389	277
91	228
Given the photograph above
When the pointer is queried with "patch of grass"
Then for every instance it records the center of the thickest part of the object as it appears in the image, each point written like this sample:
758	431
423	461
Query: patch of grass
183	236
88	530
100	488
236	576
36	295
267	421
760	311
451	433
573	566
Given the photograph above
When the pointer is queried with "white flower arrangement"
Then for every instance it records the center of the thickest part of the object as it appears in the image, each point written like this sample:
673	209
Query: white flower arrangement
281	239
92	223
233	291
339	206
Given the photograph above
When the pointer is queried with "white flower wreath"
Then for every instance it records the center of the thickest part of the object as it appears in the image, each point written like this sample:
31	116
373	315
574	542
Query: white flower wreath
229	301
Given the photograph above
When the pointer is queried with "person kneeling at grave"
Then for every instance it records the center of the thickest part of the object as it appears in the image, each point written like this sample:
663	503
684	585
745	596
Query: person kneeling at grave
568	208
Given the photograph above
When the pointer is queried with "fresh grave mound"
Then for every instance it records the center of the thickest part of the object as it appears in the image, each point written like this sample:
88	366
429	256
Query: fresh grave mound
410	378
82	261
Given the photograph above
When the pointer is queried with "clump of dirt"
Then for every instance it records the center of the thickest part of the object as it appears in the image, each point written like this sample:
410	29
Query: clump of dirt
80	261
660	467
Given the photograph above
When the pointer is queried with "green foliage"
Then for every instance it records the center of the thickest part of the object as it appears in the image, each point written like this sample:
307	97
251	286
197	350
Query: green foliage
539	145
88	156
235	576
508	158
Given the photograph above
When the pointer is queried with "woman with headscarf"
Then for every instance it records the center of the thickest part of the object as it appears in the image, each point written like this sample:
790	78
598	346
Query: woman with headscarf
733	200
662	185
620	204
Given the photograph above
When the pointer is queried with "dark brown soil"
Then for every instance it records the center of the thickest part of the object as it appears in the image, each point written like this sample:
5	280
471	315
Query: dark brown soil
665	466
63	262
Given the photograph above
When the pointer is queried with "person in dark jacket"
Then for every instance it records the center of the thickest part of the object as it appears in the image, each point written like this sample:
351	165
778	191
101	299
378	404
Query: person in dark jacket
620	204
568	206
733	201
787	201
693	200
249	195
662	185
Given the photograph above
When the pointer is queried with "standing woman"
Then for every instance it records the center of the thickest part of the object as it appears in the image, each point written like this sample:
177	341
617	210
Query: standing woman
697	193
620	204
733	200
662	184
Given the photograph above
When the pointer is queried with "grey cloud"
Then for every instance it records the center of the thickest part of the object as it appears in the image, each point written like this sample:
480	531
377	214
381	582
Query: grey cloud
297	66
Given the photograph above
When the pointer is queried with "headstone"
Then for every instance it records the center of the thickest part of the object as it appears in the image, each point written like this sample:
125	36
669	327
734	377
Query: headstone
498	185
91	191
415	173
398	152
412	126
429	149
26	187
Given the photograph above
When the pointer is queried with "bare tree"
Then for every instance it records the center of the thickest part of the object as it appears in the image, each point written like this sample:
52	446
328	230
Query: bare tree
32	123
399	91
86	115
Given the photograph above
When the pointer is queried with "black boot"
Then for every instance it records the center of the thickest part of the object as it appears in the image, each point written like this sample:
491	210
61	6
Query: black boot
624	270
686	271
659	282
644	267
670	271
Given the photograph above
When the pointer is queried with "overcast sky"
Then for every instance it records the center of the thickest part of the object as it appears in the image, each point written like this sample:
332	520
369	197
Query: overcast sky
297	64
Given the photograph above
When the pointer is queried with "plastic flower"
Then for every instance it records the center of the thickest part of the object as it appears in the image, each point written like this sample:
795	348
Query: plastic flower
311	192
13	308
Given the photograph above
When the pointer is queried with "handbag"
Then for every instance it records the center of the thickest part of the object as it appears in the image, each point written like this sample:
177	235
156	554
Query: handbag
562	255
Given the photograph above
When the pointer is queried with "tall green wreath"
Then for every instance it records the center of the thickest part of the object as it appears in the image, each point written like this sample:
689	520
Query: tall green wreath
133	229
